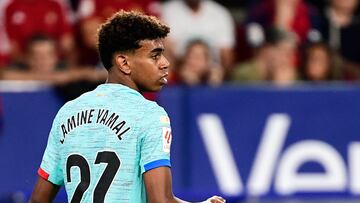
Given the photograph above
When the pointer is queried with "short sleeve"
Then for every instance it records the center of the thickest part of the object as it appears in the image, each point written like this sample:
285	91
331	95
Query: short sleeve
156	140
50	168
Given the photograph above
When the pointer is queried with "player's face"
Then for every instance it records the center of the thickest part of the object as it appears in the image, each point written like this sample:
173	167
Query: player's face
149	67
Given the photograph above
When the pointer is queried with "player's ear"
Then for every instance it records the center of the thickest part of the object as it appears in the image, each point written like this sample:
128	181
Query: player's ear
122	62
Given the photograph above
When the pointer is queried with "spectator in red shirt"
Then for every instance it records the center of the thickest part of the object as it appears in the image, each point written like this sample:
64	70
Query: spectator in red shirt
25	18
288	15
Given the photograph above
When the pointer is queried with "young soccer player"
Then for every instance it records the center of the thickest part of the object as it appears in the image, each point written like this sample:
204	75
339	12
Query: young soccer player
111	144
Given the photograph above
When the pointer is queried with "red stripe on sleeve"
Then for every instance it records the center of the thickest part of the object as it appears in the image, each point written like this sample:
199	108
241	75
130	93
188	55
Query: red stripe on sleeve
43	174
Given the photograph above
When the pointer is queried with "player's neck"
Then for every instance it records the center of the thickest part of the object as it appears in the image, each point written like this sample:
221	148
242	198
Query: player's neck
118	78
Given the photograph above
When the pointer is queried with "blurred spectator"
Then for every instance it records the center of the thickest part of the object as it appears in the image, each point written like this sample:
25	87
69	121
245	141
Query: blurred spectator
42	65
40	61
275	60
339	14
257	68
319	63
283	64
197	67
25	18
200	19
289	15
341	28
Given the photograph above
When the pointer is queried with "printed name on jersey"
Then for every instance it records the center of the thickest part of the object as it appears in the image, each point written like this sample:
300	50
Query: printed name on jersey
167	136
103	116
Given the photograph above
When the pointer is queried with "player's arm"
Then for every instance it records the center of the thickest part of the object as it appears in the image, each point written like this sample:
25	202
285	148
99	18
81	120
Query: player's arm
158	186
44	191
50	171
155	158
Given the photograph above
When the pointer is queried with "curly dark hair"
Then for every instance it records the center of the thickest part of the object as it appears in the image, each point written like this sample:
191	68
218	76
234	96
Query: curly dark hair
124	31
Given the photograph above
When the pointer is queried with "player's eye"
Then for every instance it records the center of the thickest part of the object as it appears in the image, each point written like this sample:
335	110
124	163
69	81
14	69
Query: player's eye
156	56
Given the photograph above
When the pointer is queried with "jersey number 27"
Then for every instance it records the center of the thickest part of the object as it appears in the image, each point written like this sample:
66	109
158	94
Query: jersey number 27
113	164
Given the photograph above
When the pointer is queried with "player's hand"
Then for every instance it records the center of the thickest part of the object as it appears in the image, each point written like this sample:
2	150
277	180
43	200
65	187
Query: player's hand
215	199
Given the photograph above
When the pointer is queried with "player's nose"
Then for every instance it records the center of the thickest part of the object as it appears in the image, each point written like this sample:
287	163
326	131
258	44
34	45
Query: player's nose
164	63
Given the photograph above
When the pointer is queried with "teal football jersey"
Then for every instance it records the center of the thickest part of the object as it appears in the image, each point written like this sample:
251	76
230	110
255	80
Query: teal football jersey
101	143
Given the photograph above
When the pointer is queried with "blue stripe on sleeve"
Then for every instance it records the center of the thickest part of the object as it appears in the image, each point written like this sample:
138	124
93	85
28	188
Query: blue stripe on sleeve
157	163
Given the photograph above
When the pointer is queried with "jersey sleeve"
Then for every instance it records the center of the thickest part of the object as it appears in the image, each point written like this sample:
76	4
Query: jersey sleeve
156	140
50	168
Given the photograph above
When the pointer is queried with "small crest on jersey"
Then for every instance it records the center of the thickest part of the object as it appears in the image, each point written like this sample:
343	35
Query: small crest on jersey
164	119
167	136
100	95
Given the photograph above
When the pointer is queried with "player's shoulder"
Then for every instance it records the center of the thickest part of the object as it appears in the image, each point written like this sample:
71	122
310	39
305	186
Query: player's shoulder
153	107
154	115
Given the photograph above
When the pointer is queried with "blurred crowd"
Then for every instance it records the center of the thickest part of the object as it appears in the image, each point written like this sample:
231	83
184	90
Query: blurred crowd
282	42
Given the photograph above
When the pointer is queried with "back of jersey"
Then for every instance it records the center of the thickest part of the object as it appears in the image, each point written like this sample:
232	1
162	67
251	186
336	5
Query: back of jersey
102	142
